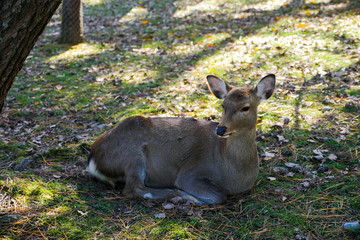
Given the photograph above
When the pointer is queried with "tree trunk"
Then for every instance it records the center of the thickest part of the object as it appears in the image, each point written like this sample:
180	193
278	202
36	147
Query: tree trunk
21	23
71	22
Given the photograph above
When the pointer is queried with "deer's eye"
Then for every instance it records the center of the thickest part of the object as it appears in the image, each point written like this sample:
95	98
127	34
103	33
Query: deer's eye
245	109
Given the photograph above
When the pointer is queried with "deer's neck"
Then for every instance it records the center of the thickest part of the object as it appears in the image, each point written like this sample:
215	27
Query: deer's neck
240	164
241	149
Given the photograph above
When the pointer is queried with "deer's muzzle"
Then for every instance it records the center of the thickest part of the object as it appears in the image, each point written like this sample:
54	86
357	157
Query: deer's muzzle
220	131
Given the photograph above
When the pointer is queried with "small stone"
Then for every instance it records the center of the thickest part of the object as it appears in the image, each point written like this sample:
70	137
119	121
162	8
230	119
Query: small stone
294	167
102	126
330	86
168	205
291	165
352	225
299	237
160	215
302	237
305	184
323	168
348	105
289	174
325	109
281	170
338	74
286	120
319	157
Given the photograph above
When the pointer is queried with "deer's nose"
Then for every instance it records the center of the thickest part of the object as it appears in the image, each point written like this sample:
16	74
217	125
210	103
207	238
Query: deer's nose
220	131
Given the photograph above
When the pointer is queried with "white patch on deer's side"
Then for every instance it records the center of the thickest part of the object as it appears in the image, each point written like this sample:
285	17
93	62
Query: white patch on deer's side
148	196
91	168
142	174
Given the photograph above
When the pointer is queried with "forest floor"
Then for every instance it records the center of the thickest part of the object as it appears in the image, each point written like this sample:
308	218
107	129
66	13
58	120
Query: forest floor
151	57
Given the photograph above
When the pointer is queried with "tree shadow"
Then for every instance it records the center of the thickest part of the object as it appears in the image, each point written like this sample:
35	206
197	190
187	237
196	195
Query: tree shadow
201	24
165	31
164	35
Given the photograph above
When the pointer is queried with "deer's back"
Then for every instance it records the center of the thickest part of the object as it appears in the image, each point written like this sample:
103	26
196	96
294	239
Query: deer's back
166	144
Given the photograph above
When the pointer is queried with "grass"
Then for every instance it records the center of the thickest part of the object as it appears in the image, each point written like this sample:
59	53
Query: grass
151	58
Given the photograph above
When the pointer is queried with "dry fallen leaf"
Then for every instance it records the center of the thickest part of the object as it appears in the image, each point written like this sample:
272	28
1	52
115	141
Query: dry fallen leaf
59	87
168	206
301	25
332	157
268	155
160	215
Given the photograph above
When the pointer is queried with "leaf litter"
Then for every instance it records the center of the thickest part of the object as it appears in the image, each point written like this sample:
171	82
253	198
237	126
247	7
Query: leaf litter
151	57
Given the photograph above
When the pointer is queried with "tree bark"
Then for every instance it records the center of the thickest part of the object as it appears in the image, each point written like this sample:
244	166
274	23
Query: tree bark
71	22
21	23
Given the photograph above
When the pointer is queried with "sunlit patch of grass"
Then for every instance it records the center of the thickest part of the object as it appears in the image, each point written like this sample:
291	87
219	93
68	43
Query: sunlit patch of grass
208	5
151	46
198	44
348	25
265	5
171	229
80	51
317	1
353	92
248	1
136	13
27	190
95	2
211	38
55	206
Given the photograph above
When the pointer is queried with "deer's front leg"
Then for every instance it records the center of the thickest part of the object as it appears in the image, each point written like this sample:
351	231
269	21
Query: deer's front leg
201	188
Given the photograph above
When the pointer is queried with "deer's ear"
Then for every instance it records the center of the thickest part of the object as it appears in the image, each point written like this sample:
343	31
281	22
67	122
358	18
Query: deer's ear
265	87
218	87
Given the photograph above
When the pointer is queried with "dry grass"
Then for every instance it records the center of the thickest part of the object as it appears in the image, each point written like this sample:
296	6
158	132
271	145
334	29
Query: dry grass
151	57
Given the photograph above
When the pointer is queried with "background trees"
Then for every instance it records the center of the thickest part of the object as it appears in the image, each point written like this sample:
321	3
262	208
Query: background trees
71	22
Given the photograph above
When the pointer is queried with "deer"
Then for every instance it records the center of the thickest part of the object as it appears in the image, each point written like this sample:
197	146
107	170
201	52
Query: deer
200	161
